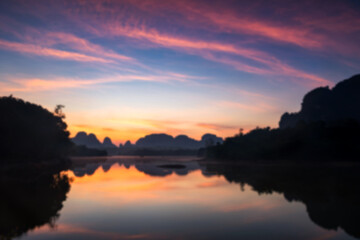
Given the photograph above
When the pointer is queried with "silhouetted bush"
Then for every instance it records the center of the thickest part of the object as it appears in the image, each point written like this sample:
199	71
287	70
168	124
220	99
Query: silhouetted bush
29	132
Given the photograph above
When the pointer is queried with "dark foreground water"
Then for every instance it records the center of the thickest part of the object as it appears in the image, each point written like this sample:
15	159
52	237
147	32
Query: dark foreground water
158	198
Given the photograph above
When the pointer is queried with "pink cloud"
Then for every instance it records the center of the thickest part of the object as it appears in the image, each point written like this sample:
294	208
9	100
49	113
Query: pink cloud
215	126
48	84
254	107
79	44
307	27
136	20
270	64
25	48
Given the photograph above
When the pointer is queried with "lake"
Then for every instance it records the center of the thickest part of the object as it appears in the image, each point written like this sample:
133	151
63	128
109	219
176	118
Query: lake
180	198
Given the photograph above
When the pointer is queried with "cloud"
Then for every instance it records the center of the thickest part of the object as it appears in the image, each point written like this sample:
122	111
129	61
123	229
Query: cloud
307	27
38	38
215	126
80	44
48	84
274	68
25	48
141	22
222	18
253	60
213	184
258	107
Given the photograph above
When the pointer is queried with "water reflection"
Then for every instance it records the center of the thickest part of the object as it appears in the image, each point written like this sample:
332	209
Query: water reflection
161	198
331	194
153	166
28	202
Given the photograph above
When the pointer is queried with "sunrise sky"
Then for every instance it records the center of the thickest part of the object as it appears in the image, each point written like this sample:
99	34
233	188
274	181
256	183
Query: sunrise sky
128	68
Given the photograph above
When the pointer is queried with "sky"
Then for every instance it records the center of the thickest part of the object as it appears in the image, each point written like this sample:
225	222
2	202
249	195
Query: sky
128	68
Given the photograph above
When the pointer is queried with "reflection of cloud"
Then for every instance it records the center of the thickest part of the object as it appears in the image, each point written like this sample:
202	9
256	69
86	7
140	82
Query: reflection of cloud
259	205
74	229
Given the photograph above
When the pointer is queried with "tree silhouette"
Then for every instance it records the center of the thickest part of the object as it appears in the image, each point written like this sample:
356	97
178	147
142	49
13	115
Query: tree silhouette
58	111
29	132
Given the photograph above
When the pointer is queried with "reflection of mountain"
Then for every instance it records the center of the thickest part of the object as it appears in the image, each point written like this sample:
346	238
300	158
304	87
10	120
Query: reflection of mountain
324	104
158	169
331	194
27	203
152	166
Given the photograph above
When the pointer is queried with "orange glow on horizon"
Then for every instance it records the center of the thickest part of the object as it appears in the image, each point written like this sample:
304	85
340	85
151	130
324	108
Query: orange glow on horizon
121	135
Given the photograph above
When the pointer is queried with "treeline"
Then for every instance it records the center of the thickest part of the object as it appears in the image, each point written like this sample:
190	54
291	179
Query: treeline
28	131
306	141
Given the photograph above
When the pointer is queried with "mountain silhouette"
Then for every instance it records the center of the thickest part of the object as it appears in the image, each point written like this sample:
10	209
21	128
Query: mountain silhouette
165	141
107	143
328	105
326	128
153	144
127	144
161	144
90	141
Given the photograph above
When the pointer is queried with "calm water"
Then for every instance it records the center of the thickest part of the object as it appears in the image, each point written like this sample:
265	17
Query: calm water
124	198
